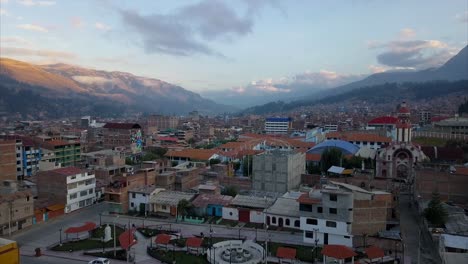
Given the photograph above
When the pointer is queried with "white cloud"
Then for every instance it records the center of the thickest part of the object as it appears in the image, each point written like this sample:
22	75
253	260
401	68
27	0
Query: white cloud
36	3
3	12
407	33
102	26
378	69
27	52
33	27
3	1
463	17
15	40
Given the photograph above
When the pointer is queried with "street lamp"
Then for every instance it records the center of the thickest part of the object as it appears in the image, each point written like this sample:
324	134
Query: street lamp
60	231
115	241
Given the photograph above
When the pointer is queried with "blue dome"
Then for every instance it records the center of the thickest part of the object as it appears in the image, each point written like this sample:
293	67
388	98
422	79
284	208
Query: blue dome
345	147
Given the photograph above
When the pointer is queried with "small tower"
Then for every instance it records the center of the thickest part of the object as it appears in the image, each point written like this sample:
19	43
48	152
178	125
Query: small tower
403	126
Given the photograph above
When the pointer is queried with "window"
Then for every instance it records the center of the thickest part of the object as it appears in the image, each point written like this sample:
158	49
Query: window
331	224
90	191
347	237
333	197
332	210
132	204
73	196
83	193
73	177
133	195
287	221
305	207
319	209
311	221
273	220
27	198
163	207
297	223
309	234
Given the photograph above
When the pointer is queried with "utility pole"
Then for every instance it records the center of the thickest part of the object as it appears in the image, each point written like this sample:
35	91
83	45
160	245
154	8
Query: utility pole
419	247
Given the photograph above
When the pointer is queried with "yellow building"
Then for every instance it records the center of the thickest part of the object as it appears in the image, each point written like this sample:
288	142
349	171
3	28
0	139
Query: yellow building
9	252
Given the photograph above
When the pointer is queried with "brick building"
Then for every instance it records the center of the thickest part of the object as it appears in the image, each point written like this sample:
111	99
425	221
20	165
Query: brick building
7	160
450	183
16	208
126	135
71	186
162	122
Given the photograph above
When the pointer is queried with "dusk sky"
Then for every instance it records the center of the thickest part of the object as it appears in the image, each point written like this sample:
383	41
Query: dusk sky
237	46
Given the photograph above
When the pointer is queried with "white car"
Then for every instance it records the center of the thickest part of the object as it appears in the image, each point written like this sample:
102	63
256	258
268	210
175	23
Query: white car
99	261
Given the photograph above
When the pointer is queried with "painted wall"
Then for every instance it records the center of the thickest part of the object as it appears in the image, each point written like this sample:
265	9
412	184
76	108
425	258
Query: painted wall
230	213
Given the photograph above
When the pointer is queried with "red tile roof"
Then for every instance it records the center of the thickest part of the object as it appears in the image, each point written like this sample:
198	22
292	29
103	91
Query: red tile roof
193	154
313	157
383	120
338	251
286	253
121	125
162	239
374	252
194	242
88	226
172	139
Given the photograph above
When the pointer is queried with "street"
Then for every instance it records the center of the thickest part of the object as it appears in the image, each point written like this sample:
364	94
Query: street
45	234
412	237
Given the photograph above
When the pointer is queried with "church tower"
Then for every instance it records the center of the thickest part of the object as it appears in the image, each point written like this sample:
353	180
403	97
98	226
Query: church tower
403	126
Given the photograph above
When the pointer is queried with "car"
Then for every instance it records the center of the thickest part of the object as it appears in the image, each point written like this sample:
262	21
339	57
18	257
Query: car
99	261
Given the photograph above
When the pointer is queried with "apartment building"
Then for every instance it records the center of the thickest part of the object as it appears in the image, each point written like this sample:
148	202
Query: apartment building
70	186
66	152
277	171
128	135
16	208
338	211
162	122
278	125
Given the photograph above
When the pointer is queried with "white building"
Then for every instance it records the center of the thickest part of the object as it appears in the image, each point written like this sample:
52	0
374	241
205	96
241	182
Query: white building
139	198
278	125
80	191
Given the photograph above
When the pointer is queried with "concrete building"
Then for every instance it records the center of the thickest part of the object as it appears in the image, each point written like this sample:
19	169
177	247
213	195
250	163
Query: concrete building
362	140
16	208
456	126
425	117
278	125
67	153
246	208
70	186
8	160
277	171
285	212
139	197
339	211
162	122
126	135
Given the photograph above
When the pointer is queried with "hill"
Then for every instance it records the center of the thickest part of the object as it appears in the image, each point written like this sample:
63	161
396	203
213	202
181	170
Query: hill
81	88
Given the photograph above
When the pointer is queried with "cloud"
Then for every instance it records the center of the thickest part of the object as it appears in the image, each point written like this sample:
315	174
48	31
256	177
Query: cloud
463	17
27	52
33	27
14	40
407	33
3	12
414	54
378	69
186	30
36	3
77	22
102	26
3	1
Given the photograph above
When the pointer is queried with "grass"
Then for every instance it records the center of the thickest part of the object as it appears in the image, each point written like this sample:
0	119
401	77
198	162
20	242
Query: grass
180	257
150	232
439	142
303	253
120	254
93	242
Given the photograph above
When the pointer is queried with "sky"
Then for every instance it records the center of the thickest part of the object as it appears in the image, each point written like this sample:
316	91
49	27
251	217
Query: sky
227	50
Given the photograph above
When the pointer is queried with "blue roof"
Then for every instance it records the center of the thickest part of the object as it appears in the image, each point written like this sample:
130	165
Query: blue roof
345	147
278	119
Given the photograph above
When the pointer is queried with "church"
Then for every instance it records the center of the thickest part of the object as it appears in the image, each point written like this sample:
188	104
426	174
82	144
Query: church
399	158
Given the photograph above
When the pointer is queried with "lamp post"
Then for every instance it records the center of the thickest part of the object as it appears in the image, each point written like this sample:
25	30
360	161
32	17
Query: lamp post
115	241
266	244
60	231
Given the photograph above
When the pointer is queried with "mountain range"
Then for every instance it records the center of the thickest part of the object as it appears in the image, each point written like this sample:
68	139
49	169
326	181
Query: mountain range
89	90
455	69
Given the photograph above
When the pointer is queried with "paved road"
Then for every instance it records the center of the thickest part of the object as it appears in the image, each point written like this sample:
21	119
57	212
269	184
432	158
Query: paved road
410	228
48	260
48	233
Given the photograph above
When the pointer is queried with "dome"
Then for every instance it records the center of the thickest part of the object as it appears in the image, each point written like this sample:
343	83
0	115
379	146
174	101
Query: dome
345	147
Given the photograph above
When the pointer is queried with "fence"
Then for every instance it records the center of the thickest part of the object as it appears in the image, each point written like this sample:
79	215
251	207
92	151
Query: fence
439	135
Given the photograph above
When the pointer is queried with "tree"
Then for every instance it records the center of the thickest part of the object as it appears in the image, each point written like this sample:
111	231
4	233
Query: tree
183	207
247	165
230	190
353	163
330	157
214	161
435	213
236	166
313	169
149	156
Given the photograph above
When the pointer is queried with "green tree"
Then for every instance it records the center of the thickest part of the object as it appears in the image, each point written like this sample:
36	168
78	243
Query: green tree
313	169
149	157
230	190
435	213
129	161
183	207
353	163
247	165
330	157
236	166
214	161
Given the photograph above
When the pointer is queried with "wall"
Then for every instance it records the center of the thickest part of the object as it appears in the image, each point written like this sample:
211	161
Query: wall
230	213
257	217
140	198
9	252
7	160
332	239
450	186
370	216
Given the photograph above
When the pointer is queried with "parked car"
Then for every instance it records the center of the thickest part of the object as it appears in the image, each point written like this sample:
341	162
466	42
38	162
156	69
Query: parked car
99	261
